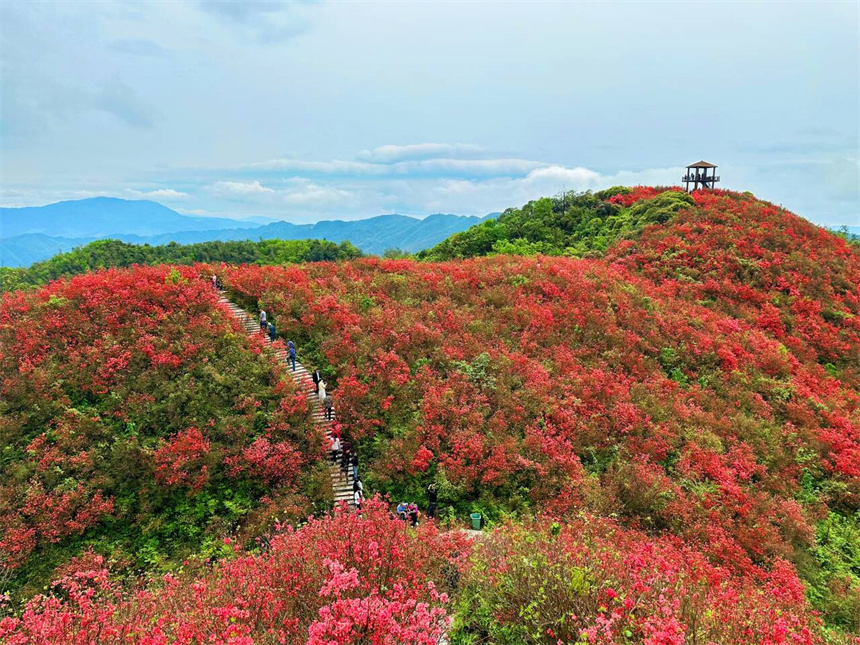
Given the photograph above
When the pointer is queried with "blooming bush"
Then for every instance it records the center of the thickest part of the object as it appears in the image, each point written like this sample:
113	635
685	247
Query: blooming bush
136	418
699	385
590	581
521	383
342	579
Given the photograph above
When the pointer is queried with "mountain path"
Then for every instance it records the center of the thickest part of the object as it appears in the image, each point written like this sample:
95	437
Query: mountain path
341	482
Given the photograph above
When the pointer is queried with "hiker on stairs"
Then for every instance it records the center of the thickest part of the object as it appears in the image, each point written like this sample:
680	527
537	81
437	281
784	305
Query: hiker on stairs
335	448
357	494
291	348
328	403
263	325
272	332
345	450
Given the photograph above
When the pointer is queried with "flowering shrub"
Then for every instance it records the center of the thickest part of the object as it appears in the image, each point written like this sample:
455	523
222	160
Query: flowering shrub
699	384
590	581
339	579
349	579
579	384
561	384
762	264
136	417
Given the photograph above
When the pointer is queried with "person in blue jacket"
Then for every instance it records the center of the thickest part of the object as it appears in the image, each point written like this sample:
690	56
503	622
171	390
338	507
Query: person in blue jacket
291	348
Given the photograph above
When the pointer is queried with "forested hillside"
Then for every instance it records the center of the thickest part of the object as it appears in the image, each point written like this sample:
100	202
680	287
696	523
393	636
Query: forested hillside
114	253
664	435
573	224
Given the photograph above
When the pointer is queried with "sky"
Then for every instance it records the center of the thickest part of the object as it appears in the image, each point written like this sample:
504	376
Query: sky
342	110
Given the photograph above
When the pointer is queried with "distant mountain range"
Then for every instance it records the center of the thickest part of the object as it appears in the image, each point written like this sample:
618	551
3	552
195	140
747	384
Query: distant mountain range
105	216
32	234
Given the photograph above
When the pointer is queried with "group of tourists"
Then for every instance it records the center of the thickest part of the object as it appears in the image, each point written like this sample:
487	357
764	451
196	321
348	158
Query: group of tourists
340	450
410	513
268	327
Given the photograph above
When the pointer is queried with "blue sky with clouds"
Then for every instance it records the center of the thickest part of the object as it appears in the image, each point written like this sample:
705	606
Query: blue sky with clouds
321	110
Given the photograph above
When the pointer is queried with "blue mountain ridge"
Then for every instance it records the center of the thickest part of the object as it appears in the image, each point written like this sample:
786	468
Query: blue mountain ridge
32	241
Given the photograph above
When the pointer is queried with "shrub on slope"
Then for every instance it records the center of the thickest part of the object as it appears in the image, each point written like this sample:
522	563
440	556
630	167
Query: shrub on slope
350	580
114	253
137	419
589	581
760	263
569	224
560	383
341	579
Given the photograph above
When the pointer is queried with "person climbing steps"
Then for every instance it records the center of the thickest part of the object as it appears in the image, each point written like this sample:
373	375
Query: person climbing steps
328	403
291	348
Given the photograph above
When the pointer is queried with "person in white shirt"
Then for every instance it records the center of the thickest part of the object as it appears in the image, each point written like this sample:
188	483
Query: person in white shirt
358	497
335	448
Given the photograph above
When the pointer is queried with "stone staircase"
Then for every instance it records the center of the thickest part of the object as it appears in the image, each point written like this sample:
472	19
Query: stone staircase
341	482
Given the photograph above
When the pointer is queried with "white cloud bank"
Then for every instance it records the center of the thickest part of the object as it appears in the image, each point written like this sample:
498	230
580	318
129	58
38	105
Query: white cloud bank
391	153
239	189
416	179
165	194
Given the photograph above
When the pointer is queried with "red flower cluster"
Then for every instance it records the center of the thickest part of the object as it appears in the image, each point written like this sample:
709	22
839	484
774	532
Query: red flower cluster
125	395
637	193
581	384
593	582
341	579
349	579
759	263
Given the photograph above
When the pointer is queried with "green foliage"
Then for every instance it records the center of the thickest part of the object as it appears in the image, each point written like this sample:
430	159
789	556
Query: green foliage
660	209
478	371
834	587
574	224
395	254
114	253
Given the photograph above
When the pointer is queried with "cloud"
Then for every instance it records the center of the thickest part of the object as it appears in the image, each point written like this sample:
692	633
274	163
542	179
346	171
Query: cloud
240	188
138	47
576	178
392	153
467	167
442	166
317	197
261	20
161	193
124	103
334	167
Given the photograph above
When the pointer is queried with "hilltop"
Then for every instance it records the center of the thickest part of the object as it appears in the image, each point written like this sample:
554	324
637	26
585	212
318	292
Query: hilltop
658	412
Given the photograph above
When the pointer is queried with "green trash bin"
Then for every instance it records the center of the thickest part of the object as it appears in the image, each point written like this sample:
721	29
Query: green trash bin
476	521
